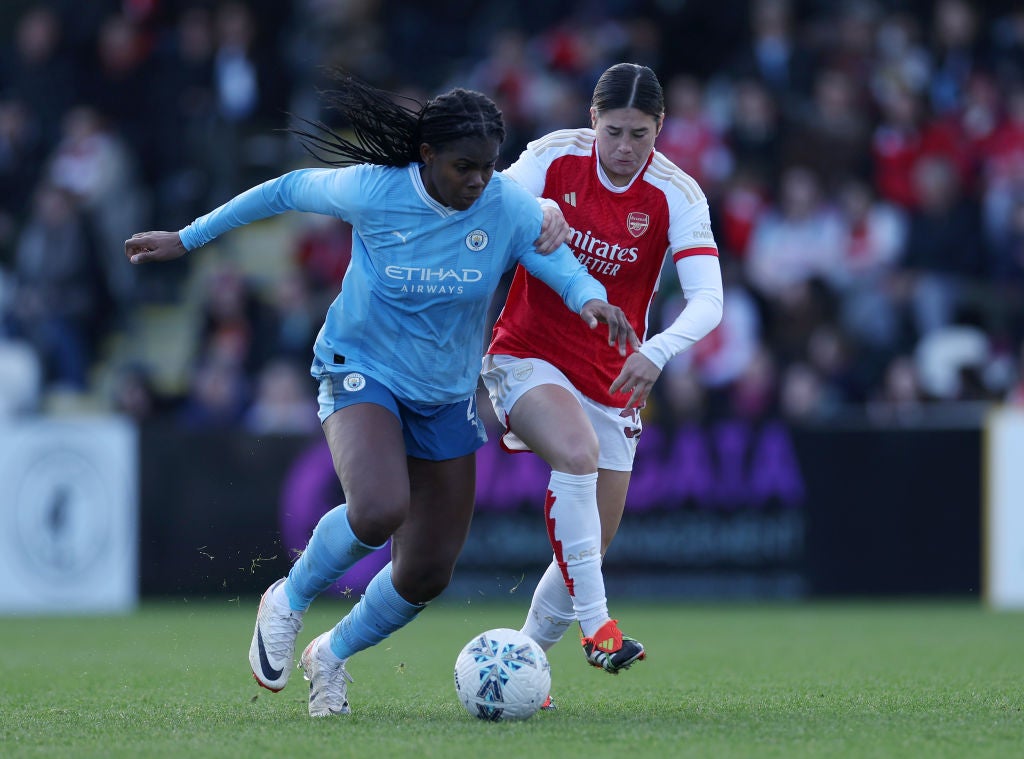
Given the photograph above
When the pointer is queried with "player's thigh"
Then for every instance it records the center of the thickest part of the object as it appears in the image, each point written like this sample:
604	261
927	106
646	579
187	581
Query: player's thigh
541	411
369	454
428	543
551	421
612	486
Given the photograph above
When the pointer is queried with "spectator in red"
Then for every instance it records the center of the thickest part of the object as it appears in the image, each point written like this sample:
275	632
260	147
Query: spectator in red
690	139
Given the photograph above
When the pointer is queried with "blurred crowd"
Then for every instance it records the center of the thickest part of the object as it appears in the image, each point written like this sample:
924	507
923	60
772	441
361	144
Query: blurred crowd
863	161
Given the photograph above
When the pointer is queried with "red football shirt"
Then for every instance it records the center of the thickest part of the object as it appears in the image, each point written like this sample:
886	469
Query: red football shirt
620	234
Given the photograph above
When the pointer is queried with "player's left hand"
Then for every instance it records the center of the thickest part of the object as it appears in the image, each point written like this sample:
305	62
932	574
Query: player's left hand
620	331
637	378
554	230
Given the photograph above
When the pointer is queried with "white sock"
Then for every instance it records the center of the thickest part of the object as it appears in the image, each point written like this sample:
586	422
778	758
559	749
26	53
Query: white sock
551	612
574	528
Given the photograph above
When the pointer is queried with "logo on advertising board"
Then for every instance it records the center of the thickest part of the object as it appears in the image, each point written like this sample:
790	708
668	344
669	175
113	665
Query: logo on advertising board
67	516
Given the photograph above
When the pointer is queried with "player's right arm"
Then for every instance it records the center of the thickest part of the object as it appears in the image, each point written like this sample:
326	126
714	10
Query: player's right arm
530	173
311	190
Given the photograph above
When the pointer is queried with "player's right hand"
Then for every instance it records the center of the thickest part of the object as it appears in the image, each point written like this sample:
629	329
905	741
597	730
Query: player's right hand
143	247
554	230
620	331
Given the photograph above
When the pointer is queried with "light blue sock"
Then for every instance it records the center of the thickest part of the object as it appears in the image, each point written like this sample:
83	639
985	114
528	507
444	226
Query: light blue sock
332	549
379	613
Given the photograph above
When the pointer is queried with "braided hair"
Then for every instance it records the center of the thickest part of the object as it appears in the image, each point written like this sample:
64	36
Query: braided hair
629	85
389	128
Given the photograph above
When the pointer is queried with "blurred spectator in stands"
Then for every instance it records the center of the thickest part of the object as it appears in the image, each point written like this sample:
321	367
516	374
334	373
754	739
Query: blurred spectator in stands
944	245
690	139
134	394
774	55
182	143
219	391
754	131
58	296
743	200
678	398
797	239
20	159
956	46
722	356
118	84
1007	286
832	133
95	165
1003	186
21	372
292	318
250	87
282	403
899	399
37	71
512	73
835	360
874	233
804	397
896	145
754	394
900	63
1007	38
233	319
848	43
323	250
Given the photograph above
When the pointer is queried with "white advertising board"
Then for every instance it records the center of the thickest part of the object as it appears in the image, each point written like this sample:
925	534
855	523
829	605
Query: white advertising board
1004	509
68	516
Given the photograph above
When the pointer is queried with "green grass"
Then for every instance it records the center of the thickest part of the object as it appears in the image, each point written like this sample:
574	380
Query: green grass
836	680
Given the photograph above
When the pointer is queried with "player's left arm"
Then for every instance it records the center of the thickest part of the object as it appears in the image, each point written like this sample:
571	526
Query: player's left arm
700	276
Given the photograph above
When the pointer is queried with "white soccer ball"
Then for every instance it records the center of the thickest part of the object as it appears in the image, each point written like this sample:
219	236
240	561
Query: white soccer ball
502	674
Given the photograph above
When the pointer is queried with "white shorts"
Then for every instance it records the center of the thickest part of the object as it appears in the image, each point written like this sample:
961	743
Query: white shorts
507	378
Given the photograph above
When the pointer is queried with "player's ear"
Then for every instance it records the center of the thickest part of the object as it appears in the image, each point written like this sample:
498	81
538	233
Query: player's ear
427	153
593	118
660	124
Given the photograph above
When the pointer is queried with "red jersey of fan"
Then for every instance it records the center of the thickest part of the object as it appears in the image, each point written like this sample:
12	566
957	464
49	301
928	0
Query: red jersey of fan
621	234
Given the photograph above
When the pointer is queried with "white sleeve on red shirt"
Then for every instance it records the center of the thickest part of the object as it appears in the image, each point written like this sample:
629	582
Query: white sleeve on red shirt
701	279
528	171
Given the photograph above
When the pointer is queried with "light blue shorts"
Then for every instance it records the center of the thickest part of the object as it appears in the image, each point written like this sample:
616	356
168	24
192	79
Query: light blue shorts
431	432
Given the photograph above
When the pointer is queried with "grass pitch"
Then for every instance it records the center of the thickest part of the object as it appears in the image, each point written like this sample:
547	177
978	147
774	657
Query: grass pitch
809	680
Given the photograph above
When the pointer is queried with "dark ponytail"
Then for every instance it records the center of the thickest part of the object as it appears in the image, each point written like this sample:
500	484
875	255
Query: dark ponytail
389	129
629	85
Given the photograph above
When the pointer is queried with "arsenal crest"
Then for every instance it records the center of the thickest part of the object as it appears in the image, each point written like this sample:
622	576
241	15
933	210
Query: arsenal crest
637	223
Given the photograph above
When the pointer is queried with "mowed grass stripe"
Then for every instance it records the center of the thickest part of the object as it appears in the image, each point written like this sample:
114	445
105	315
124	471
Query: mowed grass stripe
774	680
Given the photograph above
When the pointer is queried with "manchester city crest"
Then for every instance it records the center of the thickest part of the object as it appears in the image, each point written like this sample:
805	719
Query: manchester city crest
476	240
354	382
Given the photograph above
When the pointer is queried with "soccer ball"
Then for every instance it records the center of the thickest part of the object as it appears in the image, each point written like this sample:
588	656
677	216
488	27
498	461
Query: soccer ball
502	674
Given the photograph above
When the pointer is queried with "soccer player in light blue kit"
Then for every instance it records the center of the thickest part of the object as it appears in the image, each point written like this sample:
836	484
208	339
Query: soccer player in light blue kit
398	356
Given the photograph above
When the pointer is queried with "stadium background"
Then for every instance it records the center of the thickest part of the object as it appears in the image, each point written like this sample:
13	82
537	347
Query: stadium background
864	163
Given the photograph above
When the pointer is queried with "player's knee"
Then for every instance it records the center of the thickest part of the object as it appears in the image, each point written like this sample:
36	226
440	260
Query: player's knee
424	583
375	517
579	458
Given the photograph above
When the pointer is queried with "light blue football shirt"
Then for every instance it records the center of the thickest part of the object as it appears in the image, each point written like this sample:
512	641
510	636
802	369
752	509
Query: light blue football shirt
413	304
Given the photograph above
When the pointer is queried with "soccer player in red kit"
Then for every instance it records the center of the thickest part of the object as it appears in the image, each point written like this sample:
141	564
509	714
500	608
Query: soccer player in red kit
561	390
